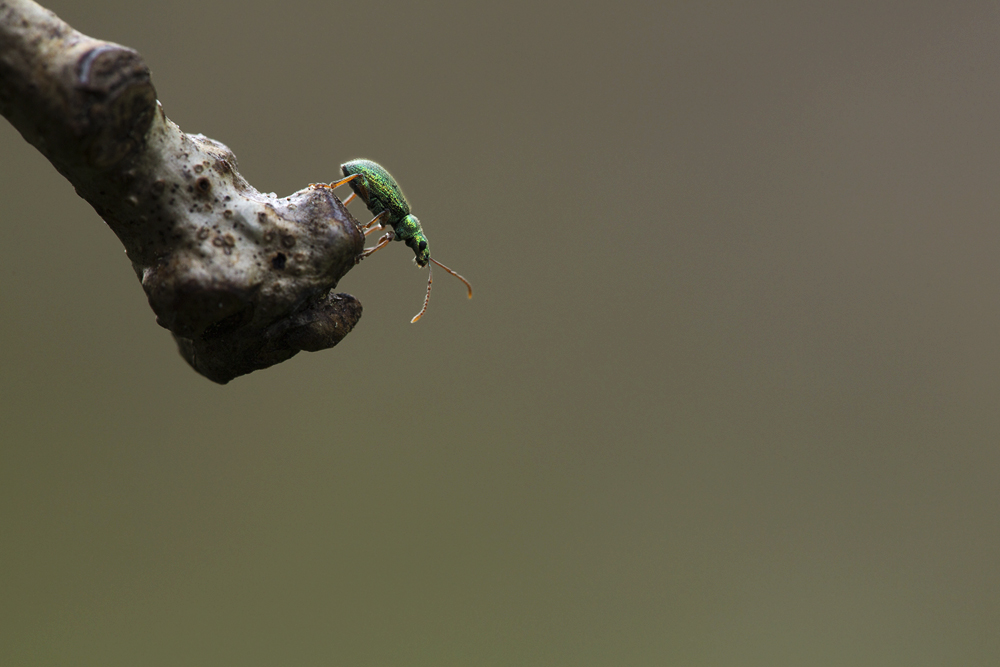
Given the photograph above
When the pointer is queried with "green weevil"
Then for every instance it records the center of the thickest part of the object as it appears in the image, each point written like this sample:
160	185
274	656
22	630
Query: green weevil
381	194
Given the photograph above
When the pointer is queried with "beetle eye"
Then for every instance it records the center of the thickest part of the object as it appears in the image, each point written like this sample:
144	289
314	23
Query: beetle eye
423	246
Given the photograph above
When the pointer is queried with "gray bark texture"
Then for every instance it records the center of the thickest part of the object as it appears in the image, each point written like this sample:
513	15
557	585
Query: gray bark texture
242	280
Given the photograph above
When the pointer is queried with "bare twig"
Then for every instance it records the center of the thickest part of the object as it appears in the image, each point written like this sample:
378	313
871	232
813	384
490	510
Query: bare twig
243	280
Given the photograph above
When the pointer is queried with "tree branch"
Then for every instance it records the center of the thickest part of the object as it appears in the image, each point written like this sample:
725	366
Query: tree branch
242	280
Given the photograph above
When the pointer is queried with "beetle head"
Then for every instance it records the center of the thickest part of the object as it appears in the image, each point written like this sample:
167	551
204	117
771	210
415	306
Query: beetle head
419	246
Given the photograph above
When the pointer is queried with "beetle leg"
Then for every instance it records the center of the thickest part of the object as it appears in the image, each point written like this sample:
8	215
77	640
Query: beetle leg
350	199
371	224
382	242
335	184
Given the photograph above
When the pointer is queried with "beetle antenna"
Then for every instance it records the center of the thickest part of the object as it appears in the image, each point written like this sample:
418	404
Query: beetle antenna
452	273
427	299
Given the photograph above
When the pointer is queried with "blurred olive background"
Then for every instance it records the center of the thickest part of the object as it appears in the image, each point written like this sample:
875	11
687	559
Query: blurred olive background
727	393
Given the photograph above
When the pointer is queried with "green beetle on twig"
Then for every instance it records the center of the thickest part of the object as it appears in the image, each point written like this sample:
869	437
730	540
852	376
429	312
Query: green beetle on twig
381	194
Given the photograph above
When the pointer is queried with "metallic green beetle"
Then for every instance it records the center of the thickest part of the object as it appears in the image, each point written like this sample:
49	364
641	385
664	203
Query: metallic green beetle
381	194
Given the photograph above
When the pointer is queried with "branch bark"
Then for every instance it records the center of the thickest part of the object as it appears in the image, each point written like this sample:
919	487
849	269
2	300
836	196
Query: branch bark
242	280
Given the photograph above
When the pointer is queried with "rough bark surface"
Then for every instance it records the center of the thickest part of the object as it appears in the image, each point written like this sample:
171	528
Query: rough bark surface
243	280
